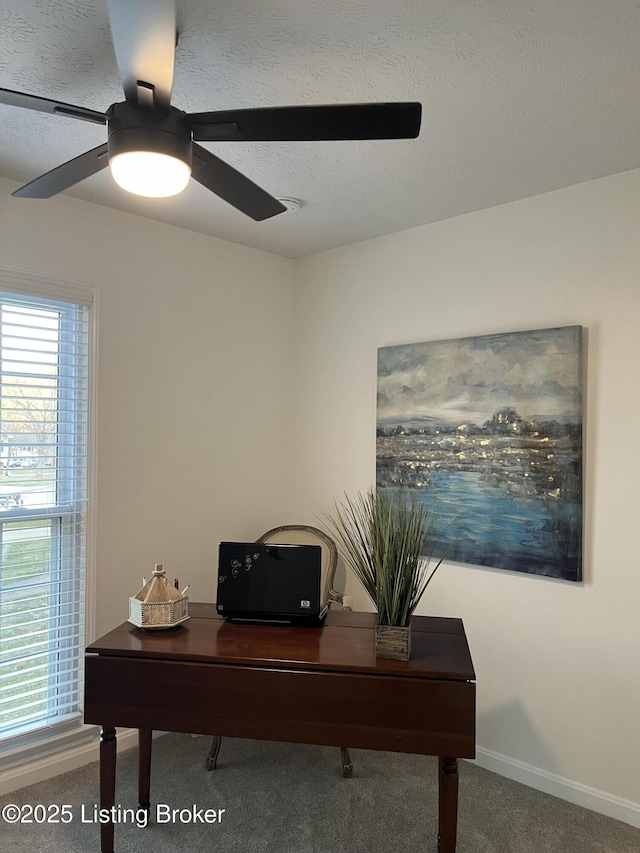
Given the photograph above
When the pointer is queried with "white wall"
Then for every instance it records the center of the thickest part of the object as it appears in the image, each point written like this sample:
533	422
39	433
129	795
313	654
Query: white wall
557	663
193	385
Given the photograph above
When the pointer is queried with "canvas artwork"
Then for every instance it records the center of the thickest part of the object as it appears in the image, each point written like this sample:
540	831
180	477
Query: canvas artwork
490	428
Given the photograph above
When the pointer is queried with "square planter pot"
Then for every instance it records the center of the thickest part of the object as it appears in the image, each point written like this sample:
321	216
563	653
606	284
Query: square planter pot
393	642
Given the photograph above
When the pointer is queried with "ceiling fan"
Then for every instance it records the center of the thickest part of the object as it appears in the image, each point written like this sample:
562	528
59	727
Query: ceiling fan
152	146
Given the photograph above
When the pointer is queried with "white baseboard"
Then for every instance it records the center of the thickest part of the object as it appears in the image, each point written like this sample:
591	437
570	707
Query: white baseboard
38	770
558	786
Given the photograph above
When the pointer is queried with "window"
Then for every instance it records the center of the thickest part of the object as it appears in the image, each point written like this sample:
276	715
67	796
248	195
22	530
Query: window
44	375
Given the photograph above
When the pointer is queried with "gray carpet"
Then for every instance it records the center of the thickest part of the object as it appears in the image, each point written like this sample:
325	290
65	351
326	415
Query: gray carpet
287	798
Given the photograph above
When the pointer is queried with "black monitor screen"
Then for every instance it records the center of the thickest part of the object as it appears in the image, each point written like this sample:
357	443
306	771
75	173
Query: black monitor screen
259	578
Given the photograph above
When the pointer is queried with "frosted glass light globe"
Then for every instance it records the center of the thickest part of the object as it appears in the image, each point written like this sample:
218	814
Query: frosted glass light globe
149	173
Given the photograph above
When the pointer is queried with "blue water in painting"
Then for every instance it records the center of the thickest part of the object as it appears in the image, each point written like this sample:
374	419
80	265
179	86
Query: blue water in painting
480	523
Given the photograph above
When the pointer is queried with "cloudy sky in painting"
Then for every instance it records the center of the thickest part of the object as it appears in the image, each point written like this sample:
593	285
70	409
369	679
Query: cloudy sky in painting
468	379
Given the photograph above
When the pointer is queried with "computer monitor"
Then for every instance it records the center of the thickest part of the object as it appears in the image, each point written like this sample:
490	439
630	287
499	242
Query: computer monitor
275	583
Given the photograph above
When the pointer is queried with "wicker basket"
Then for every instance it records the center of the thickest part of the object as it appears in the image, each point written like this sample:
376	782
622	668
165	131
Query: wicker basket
393	642
158	604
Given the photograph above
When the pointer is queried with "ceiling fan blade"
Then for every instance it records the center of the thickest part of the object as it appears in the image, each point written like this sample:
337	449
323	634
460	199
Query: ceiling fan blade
66	175
144	40
44	105
309	123
232	186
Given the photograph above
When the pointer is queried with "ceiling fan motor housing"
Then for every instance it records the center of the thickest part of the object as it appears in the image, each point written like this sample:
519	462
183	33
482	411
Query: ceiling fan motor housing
135	128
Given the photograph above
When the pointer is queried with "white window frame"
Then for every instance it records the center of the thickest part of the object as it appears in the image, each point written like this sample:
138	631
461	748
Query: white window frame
38	745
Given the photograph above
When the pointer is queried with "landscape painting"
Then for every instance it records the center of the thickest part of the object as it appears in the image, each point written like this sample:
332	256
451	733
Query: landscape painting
490	430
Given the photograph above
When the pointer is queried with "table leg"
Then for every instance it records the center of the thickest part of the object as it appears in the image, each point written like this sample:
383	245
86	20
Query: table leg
107	784
447	804
144	768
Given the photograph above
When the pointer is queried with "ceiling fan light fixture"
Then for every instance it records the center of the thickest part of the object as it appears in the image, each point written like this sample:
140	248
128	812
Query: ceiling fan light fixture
150	173
151	144
150	151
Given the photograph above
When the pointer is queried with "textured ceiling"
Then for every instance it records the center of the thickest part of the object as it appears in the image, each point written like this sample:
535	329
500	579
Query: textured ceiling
519	97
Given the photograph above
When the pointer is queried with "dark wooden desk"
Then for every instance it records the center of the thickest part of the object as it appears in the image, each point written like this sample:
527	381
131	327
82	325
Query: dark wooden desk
316	685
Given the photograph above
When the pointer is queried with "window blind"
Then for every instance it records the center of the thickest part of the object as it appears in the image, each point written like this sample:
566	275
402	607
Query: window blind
44	363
